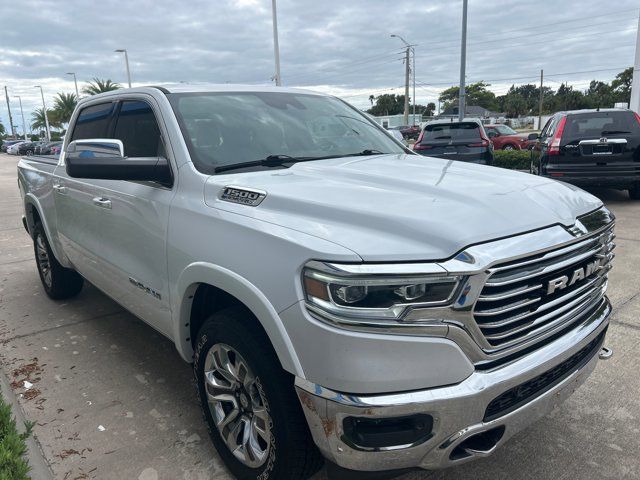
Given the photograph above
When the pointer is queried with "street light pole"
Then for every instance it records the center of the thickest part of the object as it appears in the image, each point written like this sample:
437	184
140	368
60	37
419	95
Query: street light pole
413	72
126	61
463	63
44	110
276	45
75	80
24	127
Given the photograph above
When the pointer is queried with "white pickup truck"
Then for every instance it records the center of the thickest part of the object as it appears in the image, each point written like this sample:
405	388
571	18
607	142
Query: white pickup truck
338	295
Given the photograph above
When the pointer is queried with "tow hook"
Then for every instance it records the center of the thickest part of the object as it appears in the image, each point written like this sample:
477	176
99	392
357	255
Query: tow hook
605	353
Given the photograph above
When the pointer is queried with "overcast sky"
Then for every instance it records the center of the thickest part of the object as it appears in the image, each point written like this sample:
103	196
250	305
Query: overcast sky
343	47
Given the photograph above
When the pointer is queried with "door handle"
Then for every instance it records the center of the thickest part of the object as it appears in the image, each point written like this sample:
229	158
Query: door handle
61	189
102	202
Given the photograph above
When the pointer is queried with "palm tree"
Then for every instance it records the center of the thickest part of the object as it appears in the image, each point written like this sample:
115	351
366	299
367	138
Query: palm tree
63	106
99	85
38	121
1	129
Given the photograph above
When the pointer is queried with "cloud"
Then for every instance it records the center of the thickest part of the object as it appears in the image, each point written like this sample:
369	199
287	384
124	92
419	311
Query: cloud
332	45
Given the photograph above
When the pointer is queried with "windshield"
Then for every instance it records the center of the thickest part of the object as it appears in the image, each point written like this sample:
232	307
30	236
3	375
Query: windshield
230	128
504	130
451	131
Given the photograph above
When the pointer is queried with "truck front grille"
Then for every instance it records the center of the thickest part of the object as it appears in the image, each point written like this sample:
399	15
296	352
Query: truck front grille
525	392
531	296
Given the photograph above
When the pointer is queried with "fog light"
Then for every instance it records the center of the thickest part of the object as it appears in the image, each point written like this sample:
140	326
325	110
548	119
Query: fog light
377	433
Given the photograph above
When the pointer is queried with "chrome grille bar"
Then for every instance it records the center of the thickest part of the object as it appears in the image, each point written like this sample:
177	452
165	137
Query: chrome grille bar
516	304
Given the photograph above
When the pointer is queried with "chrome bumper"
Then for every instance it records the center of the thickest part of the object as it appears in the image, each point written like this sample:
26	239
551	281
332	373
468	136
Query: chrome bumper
457	410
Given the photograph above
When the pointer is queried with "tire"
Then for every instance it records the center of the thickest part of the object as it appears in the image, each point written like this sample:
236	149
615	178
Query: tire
508	146
285	450
29	153
58	282
634	192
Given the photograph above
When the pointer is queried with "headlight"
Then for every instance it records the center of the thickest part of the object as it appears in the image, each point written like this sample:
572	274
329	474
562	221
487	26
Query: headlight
345	293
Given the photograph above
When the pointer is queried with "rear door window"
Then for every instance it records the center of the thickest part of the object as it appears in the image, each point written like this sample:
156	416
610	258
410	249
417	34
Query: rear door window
460	131
138	129
599	124
93	122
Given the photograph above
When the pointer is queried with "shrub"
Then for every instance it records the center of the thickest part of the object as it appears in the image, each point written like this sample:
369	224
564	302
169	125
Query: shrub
512	159
13	464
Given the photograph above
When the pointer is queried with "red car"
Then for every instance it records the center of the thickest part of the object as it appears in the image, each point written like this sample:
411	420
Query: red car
506	138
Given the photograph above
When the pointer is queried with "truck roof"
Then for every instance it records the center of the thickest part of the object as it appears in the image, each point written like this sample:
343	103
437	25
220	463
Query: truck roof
206	88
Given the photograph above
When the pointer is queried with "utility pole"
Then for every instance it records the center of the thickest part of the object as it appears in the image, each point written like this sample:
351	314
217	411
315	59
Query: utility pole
13	130
44	110
24	125
541	98
634	104
463	63
276	45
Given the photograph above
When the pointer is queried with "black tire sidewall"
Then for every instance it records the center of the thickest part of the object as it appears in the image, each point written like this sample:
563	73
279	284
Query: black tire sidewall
39	232
263	368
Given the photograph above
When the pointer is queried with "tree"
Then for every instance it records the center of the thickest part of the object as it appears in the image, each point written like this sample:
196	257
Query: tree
387	104
1	128
371	99
514	105
621	85
476	94
429	110
98	85
63	106
38	121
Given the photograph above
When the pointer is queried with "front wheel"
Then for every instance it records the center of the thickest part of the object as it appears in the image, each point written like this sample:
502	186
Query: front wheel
634	192
508	147
58	282
249	403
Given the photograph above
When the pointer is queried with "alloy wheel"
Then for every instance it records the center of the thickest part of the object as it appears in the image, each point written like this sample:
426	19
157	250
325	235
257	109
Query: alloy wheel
43	260
238	405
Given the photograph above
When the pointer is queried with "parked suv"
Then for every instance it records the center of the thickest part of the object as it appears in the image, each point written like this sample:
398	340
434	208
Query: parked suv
591	148
504	137
466	141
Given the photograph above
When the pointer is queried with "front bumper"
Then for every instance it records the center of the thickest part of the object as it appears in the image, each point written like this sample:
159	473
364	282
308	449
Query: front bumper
459	411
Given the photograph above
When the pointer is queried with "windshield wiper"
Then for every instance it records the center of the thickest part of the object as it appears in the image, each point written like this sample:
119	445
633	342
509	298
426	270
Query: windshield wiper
363	153
270	161
613	132
280	160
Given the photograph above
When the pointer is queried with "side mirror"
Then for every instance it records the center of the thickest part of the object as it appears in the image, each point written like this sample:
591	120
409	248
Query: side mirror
533	136
493	134
104	159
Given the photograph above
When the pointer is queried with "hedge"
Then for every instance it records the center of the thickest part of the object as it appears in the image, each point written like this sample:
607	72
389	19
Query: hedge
512	159
13	449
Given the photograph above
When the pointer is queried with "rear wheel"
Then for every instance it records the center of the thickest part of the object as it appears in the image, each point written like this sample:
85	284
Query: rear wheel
249	402
58	282
508	147
634	192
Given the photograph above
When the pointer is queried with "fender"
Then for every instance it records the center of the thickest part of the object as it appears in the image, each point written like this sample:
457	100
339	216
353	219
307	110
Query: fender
232	283
31	200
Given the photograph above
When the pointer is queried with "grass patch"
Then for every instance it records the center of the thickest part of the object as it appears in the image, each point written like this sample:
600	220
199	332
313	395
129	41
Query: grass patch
512	159
13	464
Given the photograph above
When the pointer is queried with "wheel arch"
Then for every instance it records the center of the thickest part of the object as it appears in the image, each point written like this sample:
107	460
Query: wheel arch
33	213
204	288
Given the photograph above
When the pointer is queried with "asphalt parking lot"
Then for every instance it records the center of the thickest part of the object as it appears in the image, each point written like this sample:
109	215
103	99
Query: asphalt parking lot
112	399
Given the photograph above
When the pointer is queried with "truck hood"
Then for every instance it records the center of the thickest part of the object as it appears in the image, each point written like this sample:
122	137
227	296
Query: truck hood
404	207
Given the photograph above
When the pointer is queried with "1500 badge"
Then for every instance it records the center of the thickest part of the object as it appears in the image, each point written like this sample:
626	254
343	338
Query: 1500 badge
242	195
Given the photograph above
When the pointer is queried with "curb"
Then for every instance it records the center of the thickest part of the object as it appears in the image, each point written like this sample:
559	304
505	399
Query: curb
40	469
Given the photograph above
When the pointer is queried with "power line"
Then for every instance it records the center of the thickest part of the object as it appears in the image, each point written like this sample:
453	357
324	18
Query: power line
537	27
